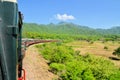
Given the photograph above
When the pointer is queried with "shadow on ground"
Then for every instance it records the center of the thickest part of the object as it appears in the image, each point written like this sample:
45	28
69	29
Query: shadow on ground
114	58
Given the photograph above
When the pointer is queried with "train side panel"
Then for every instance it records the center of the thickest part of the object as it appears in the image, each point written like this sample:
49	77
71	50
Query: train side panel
8	39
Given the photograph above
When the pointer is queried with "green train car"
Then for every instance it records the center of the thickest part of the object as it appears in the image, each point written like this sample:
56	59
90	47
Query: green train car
10	41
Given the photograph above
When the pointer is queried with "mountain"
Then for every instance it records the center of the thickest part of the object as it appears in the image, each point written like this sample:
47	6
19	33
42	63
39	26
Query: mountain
68	28
60	28
114	30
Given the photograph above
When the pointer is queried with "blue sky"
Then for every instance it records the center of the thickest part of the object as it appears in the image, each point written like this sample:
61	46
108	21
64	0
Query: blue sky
92	13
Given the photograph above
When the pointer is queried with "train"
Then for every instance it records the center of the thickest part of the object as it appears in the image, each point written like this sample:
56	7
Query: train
11	56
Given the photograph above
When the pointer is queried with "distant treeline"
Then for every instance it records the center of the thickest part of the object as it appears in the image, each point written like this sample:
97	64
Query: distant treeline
69	31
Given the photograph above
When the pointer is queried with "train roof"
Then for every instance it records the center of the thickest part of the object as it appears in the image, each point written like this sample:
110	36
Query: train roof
15	1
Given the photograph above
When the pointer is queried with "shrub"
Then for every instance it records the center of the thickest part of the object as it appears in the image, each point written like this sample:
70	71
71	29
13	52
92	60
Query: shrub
115	76
57	68
57	53
105	47
74	70
117	51
88	75
91	42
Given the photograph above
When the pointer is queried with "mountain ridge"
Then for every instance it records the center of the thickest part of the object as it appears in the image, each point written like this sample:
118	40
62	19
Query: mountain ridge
68	28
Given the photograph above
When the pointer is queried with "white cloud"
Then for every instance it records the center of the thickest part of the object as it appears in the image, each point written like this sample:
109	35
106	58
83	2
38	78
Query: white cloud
64	17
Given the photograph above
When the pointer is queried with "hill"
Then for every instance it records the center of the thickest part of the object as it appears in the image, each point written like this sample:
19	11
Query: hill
114	30
61	28
67	30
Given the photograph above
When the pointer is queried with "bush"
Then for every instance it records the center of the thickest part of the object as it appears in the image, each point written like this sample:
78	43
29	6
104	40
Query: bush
57	68
88	75
115	76
105	47
91	42
117	52
74	70
57	53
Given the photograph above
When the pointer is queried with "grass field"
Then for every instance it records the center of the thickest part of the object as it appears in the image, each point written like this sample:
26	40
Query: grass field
97	48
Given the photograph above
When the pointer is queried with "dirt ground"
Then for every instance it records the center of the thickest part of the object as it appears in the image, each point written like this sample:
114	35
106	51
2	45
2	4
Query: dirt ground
36	66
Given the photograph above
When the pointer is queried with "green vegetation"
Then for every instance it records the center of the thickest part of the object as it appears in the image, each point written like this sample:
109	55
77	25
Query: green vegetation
70	31
70	65
117	52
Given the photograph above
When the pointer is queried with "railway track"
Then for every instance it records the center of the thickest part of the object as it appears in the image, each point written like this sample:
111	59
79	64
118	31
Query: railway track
28	42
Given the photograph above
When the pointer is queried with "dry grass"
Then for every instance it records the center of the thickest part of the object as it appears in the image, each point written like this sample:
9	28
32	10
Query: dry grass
96	48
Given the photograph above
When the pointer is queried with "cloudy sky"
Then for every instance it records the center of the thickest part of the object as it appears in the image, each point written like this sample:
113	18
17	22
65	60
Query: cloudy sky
92	13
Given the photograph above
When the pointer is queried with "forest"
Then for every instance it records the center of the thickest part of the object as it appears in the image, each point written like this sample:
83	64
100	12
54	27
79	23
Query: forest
64	57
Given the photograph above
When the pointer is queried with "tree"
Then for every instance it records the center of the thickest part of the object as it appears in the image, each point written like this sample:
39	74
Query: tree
117	52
